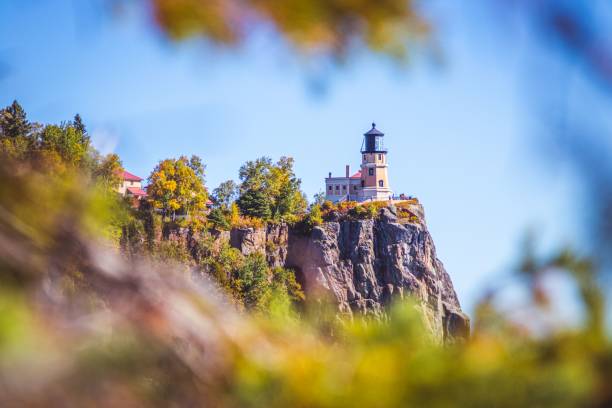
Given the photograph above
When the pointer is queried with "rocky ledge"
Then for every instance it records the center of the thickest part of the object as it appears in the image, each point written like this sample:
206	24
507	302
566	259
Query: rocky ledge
363	265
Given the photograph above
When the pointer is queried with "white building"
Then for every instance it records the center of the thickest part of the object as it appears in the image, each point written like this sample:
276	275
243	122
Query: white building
131	186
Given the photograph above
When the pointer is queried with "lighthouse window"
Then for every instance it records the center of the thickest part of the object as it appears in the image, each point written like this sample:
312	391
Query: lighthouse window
380	183
371	172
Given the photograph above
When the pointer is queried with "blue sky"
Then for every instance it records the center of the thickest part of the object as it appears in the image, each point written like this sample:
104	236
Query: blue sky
459	131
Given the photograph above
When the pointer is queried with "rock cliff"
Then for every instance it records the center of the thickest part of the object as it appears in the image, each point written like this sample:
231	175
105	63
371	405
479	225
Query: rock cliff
364	264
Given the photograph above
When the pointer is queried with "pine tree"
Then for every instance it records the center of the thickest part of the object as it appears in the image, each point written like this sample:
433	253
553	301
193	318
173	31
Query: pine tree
13	121
219	219
78	124
255	203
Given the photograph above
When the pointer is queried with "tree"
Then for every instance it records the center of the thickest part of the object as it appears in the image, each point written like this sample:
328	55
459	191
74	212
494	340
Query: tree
54	148
255	203
65	141
78	124
13	121
196	164
255	174
225	194
255	197
285	189
108	171
270	191
219	219
252	282
175	188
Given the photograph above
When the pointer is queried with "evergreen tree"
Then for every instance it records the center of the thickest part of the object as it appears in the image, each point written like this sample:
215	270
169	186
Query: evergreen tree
13	121
255	203
67	143
219	219
78	124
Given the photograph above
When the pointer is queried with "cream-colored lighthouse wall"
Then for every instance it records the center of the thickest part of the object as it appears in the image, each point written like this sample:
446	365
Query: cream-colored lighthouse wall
377	162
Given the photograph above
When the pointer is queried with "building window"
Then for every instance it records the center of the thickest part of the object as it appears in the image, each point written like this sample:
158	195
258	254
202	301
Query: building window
364	157
330	188
371	172
362	183
344	187
380	157
354	187
337	187
380	183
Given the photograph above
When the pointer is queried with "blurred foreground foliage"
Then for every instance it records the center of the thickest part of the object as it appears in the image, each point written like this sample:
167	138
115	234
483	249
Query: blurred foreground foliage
331	27
83	325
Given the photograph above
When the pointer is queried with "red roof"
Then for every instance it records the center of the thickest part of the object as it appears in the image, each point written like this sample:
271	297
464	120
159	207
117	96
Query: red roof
138	192
356	175
126	175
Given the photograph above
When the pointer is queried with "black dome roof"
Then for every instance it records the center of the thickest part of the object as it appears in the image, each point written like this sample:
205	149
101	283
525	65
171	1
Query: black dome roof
374	131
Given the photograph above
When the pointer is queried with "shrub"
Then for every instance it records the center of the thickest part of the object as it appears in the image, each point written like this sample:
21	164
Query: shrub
313	218
346	206
328	206
248	222
223	266
366	211
251	283
172	251
284	280
133	237
404	211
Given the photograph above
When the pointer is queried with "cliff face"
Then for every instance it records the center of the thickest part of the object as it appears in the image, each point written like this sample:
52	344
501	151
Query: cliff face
271	240
363	265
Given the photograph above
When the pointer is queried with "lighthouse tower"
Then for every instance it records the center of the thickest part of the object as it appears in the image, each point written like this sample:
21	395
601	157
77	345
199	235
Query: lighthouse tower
371	183
374	176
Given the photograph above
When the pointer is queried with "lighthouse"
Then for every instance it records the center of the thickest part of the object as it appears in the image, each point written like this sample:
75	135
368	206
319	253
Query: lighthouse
371	183
374	174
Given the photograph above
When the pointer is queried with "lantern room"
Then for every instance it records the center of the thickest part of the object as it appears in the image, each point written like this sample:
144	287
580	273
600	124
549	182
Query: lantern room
373	141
